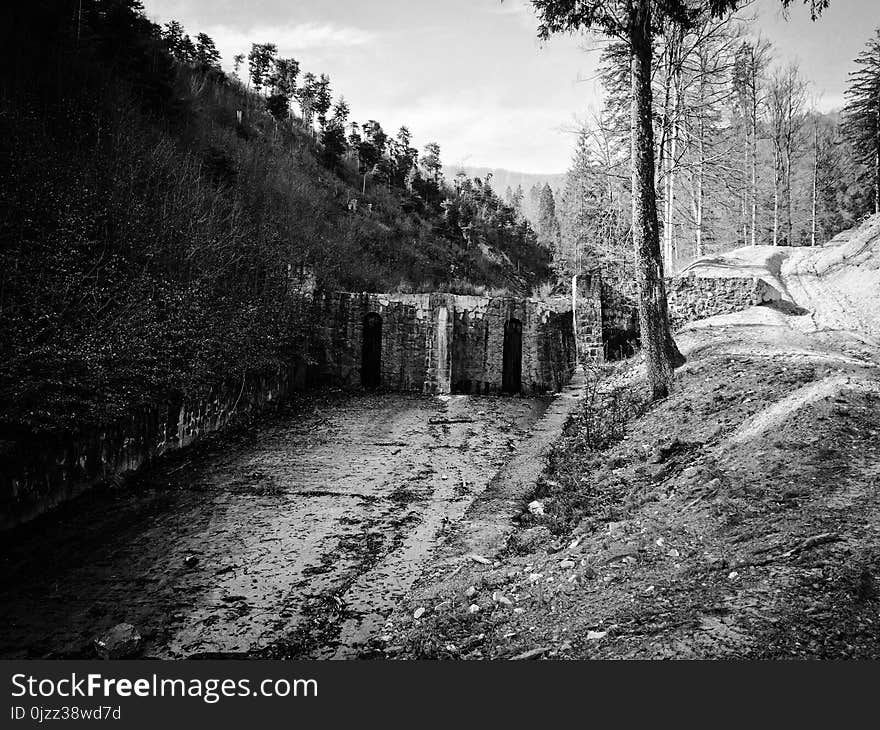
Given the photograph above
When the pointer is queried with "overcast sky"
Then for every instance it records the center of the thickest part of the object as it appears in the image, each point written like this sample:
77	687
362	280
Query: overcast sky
470	75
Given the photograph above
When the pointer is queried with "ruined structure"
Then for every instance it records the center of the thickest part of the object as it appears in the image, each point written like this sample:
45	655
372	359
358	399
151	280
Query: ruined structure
442	343
430	343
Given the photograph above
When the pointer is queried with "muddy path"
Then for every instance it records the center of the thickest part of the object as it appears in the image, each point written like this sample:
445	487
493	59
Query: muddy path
294	537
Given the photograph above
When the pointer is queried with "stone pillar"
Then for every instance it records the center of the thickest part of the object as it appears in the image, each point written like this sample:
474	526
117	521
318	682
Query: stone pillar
586	292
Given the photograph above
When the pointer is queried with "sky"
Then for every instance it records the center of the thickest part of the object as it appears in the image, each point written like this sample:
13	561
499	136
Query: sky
471	74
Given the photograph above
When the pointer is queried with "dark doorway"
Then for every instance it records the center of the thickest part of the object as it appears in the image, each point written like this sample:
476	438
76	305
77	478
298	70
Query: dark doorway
371	363
511	377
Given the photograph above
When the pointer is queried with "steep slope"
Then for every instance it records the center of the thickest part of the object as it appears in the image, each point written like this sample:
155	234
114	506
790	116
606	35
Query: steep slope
738	518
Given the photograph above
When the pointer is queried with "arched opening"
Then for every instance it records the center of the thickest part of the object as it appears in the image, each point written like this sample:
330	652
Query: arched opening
511	375
371	358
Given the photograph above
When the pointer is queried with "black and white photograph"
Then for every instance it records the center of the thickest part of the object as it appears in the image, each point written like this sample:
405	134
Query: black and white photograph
461	330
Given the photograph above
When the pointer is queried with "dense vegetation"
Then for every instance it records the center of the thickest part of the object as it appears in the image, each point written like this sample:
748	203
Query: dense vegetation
155	213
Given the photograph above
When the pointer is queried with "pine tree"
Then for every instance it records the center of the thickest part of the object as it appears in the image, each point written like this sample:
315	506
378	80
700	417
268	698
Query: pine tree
862	111
207	55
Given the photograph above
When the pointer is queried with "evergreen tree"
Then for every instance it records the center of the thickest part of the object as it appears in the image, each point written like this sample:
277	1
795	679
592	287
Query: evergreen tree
548	225
862	111
207	55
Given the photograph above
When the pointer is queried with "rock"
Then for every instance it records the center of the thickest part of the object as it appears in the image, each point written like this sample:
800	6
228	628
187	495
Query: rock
566	564
493	578
480	559
190	561
527	541
597	634
502	599
658	472
673	553
692	472
419	612
470	592
536	508
120	642
473	608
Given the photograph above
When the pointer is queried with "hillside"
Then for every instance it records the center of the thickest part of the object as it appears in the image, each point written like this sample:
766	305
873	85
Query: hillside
155	215
737	518
502	179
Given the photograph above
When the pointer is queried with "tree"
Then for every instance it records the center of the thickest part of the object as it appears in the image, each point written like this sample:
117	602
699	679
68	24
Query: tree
322	99
786	102
207	55
305	95
173	37
237	60
260	60
548	224
430	162
862	111
637	22
403	157
333	139
748	84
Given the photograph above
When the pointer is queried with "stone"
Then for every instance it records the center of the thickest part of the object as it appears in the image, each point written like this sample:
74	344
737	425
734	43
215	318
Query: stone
527	541
419	612
121	642
536	508
566	564
470	592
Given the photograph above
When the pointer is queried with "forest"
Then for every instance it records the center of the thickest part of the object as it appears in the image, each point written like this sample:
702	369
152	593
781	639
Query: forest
157	212
743	154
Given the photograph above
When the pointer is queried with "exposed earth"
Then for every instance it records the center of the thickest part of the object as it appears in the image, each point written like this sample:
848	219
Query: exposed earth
740	517
291	538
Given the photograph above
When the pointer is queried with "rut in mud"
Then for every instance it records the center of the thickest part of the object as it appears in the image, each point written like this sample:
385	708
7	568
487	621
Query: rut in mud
292	538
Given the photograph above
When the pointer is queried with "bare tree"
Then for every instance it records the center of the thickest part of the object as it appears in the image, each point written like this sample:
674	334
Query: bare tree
787	97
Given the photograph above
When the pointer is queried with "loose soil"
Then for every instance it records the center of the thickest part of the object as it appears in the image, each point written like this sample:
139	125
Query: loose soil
740	517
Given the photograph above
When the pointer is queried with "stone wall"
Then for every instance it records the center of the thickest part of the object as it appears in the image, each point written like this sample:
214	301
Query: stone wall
588	307
695	297
39	472
441	343
409	339
431	343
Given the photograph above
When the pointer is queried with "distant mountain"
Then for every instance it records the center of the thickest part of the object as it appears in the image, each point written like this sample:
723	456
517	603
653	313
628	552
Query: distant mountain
502	179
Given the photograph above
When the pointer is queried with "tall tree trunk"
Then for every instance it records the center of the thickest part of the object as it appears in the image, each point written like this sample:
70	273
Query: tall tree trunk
787	172
815	183
661	354
776	182
754	121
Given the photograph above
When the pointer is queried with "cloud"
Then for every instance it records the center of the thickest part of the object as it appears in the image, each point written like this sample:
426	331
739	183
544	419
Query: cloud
289	38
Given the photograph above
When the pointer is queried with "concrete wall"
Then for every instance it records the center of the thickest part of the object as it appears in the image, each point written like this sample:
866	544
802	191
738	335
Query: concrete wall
695	297
39	472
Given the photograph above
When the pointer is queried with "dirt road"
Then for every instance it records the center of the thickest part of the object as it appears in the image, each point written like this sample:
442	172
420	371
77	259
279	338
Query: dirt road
293	538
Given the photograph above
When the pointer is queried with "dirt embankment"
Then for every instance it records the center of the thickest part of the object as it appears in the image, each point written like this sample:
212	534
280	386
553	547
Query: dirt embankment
740	517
